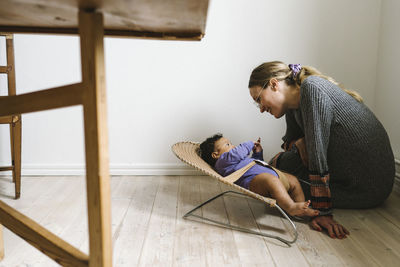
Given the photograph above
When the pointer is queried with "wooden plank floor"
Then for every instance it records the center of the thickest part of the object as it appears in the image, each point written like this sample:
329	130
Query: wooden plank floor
148	229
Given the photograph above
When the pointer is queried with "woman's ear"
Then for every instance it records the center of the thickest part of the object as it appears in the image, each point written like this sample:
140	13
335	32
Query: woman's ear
215	155
274	84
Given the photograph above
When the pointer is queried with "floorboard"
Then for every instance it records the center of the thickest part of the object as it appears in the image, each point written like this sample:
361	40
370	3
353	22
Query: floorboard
251	248
148	228
220	244
189	246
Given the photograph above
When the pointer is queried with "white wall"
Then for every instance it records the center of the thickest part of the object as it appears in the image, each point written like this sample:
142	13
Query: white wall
161	92
387	85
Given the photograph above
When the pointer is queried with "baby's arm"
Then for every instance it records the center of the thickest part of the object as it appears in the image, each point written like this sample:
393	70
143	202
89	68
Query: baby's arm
228	160
239	153
258	150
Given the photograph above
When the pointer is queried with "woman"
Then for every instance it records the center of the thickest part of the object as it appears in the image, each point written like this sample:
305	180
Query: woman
332	141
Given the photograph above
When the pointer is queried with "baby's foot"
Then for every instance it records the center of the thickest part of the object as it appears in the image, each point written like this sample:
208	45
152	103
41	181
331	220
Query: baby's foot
302	209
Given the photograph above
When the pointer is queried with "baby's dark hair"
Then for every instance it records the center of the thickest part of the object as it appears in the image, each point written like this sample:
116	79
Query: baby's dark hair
207	148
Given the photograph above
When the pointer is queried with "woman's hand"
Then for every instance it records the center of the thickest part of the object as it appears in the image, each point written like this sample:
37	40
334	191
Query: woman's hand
335	230
301	147
257	146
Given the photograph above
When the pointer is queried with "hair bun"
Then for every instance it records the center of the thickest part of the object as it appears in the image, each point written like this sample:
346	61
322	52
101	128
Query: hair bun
295	68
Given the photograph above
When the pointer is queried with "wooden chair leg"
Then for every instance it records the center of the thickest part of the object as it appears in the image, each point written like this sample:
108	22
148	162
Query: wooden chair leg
15	126
16	155
12	130
96	138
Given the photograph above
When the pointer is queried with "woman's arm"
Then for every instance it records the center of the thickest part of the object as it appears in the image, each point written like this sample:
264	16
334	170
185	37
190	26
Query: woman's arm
334	229
317	114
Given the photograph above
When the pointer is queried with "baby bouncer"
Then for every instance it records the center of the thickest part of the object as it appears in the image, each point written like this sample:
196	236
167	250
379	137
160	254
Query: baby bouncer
188	152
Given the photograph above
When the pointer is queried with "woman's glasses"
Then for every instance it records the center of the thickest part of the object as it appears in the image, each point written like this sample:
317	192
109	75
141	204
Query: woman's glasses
257	100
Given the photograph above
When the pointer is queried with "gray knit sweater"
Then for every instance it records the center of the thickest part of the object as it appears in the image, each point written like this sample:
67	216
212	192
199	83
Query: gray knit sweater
351	163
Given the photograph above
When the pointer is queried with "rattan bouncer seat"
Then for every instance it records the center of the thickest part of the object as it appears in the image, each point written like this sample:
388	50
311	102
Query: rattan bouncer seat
188	152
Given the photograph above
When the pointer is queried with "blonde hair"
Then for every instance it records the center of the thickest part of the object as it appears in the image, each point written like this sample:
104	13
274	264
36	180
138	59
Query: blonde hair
280	71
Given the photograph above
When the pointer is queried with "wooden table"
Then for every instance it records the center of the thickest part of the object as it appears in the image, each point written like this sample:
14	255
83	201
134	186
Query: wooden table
92	20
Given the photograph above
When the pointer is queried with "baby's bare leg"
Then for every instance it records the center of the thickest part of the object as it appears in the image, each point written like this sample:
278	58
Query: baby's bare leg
295	190
267	184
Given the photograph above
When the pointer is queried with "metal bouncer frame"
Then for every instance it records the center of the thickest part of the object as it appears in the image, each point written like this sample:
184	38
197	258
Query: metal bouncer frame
241	229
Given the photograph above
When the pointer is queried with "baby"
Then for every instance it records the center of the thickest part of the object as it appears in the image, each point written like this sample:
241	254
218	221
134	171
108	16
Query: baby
261	178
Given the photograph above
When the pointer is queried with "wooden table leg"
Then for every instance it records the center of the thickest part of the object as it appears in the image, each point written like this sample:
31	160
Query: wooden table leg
96	138
1	243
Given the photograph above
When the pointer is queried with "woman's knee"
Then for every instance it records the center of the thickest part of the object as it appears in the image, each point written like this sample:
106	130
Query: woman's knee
293	181
288	161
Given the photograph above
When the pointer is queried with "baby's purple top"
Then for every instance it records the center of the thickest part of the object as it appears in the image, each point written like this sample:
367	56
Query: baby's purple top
236	159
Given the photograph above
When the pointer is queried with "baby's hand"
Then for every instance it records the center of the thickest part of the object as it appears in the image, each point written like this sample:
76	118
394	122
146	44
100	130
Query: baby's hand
257	146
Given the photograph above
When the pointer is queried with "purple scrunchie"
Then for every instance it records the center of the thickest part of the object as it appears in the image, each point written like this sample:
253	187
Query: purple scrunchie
295	69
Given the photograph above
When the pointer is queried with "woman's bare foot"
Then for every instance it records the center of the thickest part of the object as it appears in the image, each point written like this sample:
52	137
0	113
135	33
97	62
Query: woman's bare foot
302	209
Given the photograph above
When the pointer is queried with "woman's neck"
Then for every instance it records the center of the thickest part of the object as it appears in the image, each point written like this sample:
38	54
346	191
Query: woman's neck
293	96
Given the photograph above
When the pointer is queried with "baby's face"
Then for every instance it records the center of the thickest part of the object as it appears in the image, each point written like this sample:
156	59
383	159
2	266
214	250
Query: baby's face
222	145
